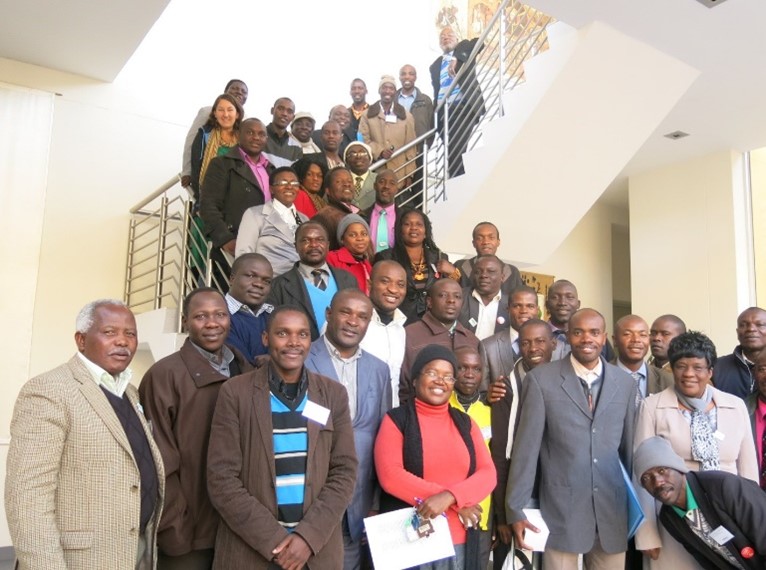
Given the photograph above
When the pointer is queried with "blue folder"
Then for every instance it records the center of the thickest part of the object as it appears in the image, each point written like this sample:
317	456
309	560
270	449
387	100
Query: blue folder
635	512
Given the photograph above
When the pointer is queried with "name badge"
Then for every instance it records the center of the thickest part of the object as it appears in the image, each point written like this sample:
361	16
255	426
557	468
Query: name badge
486	433
315	412
719	435
721	535
391	118
472	322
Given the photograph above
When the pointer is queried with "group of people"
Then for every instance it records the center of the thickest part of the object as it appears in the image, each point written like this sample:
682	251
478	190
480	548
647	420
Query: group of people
351	369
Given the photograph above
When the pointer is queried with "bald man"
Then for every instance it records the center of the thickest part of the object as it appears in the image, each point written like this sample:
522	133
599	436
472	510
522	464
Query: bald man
733	373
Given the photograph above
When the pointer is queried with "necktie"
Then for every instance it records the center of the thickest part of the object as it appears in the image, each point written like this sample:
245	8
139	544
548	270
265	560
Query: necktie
637	376
381	239
318	280
358	184
588	393
298	220
444	79
763	459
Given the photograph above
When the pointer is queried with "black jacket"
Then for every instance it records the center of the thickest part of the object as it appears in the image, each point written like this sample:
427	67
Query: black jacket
469	86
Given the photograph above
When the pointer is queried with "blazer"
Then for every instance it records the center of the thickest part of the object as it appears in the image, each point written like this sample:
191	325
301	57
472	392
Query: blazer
230	188
72	484
659	415
497	356
470	311
373	400
242	478
657	380
736	504
179	393
263	231
581	485
365	198
290	289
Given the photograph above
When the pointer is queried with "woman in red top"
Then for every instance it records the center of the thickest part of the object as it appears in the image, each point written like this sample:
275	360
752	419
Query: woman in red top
311	174
433	456
354	256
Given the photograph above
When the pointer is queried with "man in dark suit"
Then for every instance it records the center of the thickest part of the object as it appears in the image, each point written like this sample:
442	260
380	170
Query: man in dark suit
631	340
466	104
577	417
381	216
485	306
311	283
337	355
281	460
727	510
733	373
234	182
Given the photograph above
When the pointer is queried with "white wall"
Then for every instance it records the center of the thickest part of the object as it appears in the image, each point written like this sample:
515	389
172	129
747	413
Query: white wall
687	258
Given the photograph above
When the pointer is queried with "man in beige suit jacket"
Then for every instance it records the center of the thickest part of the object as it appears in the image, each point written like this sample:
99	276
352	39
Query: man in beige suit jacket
84	480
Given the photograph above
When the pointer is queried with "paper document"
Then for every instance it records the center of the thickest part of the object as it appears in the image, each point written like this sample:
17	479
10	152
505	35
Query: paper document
390	548
536	540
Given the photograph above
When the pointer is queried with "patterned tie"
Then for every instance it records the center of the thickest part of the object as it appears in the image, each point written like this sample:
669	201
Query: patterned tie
637	376
444	79
358	184
298	220
318	280
588	393
382	237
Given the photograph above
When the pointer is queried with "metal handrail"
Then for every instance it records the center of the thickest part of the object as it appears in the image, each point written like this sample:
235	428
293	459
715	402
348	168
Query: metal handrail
167	254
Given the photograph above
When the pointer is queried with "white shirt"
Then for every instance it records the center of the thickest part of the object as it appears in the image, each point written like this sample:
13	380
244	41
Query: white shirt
287	214
642	387
589	376
487	317
115	384
346	370
387	342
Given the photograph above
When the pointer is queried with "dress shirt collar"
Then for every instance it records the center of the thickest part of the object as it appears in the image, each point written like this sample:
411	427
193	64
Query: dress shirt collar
336	355
399	318
589	376
305	270
642	370
235	306
220	365
495	299
390	209
115	384
286	213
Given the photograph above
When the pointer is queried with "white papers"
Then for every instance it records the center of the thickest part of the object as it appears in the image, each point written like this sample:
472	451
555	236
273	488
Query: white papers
536	540
392	551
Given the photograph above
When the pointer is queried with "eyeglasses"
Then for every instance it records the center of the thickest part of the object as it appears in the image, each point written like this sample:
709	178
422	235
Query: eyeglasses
285	183
433	375
358	153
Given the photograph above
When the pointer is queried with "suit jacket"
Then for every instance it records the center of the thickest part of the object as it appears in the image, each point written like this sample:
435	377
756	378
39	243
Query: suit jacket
179	393
72	484
497	356
657	380
230	188
470	311
290	289
511	275
658	415
581	484
242	478
373	400
366	196
264	231
727	501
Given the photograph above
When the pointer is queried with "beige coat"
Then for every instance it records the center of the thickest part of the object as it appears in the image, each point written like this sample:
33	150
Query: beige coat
72	488
659	415
380	135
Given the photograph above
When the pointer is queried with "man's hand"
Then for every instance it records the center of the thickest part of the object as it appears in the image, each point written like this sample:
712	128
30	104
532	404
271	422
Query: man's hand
653	553
470	516
519	528
452	69
436	504
496	390
229	246
387	153
504	533
292	553
445	268
185	180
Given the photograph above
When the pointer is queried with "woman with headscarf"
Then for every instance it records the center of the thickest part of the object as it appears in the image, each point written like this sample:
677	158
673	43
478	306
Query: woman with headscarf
423	262
708	428
432	456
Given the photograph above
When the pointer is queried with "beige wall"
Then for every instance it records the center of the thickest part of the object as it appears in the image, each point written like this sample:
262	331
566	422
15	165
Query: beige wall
758	171
689	244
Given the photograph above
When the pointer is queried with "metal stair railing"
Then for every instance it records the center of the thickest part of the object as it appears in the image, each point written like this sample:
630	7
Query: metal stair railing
515	34
167	253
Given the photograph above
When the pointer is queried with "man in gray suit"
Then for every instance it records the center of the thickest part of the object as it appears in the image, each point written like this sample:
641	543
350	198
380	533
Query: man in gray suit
337	355
577	418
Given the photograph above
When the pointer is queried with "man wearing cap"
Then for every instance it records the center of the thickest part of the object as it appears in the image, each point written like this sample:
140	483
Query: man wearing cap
358	158
387	127
300	133
719	517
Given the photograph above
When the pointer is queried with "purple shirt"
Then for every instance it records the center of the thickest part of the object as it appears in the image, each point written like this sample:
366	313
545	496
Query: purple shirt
760	425
259	171
390	220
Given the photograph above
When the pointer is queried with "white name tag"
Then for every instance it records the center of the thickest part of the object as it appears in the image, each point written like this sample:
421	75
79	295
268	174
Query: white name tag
486	432
719	435
472	322
315	412
721	535
391	118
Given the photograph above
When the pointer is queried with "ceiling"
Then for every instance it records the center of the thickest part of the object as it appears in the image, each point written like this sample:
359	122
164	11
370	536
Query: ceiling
722	110
84	37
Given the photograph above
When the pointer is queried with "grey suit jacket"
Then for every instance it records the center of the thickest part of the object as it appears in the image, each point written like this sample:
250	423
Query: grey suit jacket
373	400
263	231
656	380
72	485
497	356
581	485
366	197
470	311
